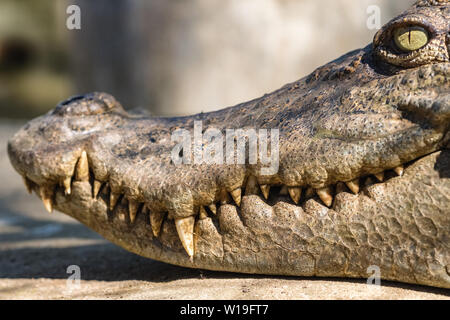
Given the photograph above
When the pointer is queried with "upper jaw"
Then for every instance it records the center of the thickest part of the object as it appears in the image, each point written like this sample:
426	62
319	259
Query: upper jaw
415	101
142	170
402	117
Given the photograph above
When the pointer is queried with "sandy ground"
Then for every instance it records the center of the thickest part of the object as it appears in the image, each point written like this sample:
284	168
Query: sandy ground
36	249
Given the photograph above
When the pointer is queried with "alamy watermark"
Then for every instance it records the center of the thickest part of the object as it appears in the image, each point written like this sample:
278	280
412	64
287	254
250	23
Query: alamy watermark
374	280
212	147
73	282
374	20
73	21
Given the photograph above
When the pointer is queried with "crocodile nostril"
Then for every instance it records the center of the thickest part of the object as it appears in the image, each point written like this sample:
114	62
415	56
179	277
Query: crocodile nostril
89	104
72	99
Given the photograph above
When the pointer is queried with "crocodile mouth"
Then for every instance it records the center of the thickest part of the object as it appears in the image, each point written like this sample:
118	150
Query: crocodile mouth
84	191
129	178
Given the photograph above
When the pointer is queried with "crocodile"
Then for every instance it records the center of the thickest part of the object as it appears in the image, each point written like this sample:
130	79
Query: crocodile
361	182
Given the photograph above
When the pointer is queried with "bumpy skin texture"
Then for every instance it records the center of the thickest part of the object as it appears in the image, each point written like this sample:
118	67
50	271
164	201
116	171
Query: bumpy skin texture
365	113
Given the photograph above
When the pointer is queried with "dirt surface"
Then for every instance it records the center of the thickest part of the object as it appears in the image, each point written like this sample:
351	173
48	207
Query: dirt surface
37	248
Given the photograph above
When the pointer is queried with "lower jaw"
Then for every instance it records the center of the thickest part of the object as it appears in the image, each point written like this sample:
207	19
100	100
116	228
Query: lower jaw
400	226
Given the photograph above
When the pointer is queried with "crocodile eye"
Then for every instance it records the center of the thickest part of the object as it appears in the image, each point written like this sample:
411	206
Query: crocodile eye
411	38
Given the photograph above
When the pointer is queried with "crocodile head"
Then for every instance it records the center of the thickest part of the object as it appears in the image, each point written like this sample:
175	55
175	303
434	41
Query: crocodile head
355	172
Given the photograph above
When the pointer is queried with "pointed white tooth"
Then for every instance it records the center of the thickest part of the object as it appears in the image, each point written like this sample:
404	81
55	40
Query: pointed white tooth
67	186
202	213
399	170
379	176
353	185
284	191
265	188
325	194
28	184
252	186
46	194
82	169
156	220
213	208
48	205
96	188
236	194
133	207
185	229
113	197
295	193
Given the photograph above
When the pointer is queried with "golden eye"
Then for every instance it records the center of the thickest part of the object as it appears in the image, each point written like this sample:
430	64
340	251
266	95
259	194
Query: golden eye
410	38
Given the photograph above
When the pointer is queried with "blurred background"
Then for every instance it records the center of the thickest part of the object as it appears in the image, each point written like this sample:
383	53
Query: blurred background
171	57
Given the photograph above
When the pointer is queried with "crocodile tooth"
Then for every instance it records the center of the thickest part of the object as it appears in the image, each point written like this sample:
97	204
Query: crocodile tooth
113	197
213	208
325	194
82	169
122	212
156	220
265	188
185	229
202	214
252	186
96	188
224	197
67	185
284	191
295	193
379	176
133	208
353	185
399	170
28	184
236	194
46	194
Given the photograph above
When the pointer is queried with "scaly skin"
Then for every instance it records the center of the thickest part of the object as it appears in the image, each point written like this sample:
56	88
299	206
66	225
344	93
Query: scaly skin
375	112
